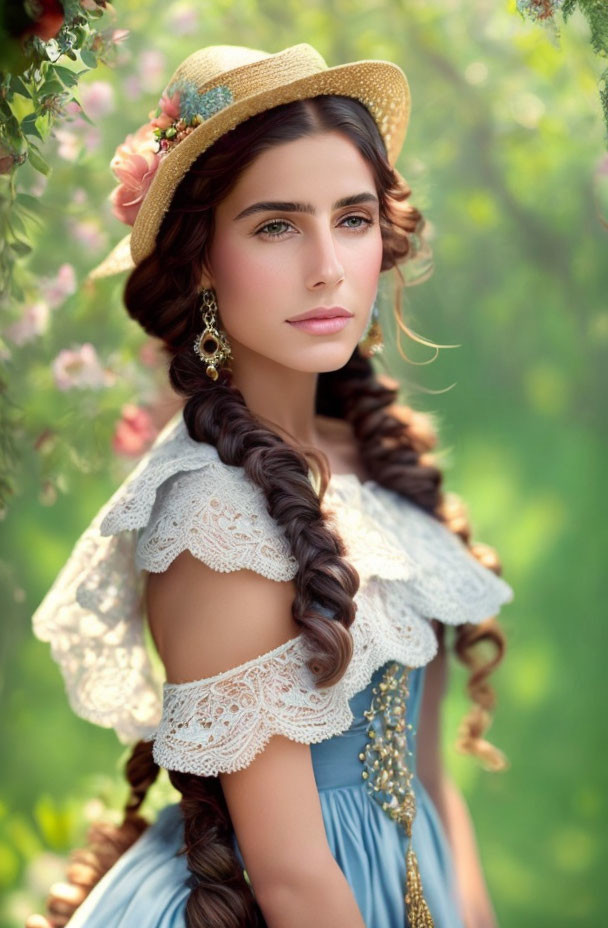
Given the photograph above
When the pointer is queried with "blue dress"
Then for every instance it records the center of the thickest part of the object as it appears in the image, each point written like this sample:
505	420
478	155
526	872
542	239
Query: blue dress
147	886
412	570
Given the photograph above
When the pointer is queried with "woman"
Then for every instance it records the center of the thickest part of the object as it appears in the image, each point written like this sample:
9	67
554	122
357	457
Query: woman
286	536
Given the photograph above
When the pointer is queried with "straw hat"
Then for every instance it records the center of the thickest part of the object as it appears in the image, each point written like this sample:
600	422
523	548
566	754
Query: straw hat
220	86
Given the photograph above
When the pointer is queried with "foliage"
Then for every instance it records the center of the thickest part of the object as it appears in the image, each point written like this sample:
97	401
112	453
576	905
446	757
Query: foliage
596	13
36	84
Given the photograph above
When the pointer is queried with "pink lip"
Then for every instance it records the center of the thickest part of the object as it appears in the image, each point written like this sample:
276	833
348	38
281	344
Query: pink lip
322	326
321	312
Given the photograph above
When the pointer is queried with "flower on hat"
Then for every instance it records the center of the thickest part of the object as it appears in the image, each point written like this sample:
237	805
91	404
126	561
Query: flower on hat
180	110
169	111
134	163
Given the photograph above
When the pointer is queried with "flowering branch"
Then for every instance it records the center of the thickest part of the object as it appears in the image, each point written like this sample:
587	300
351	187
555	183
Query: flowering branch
37	86
596	14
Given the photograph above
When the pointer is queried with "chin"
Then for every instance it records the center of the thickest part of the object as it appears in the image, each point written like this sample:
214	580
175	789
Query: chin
323	358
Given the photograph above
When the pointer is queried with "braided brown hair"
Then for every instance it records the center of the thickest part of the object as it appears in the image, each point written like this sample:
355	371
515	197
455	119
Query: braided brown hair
394	442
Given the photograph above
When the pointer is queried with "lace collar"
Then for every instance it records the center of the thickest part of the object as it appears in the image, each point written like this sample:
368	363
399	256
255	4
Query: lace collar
181	495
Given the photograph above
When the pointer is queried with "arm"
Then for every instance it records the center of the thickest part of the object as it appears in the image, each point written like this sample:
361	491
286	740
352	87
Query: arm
203	623
475	904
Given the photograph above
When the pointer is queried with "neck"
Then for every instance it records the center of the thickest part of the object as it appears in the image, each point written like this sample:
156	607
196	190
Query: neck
284	399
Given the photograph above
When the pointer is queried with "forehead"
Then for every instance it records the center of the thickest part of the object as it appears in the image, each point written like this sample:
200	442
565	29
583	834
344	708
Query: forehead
316	168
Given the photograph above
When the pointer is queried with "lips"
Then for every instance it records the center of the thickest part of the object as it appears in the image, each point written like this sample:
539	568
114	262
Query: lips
322	312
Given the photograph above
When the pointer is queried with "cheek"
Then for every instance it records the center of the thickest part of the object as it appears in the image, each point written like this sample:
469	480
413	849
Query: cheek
366	269
244	269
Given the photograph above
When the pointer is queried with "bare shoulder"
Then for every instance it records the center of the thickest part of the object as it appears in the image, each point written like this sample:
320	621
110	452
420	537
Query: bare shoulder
204	622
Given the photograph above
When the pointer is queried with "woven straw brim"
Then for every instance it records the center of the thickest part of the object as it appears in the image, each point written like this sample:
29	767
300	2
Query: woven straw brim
119	259
380	85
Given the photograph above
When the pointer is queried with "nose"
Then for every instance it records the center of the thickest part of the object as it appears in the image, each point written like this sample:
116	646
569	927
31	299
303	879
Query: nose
325	267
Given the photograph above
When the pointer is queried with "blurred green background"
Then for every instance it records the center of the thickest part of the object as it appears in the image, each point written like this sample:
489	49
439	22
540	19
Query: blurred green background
506	158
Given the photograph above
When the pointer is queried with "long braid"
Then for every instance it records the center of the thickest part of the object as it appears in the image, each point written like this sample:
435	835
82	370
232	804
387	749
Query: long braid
395	443
220	894
105	843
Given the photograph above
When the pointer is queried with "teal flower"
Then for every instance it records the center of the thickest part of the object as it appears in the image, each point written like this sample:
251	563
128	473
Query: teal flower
192	103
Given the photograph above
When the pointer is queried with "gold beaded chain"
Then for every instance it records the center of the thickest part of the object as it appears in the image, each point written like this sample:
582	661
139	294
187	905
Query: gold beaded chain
387	774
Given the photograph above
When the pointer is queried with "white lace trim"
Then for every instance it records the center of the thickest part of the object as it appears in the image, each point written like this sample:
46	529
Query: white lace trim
412	569
221	723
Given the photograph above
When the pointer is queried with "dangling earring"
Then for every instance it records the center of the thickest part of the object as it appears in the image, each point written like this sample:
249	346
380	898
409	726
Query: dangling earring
211	346
372	342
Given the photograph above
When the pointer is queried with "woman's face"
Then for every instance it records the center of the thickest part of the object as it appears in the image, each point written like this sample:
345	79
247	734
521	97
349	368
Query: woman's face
268	265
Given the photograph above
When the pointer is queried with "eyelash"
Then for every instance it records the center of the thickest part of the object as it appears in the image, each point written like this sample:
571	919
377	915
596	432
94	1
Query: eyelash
276	235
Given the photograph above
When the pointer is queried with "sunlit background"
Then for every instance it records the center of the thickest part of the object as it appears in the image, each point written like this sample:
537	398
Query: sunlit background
506	157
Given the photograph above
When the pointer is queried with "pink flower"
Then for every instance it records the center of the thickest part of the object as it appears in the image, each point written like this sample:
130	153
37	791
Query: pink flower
72	108
151	65
57	289
183	20
69	144
162	122
169	111
88	233
134	164
97	99
132	87
33	322
92	138
135	431
80	367
170	105
119	35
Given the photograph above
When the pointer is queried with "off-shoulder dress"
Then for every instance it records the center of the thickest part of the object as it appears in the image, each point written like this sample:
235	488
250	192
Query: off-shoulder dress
412	570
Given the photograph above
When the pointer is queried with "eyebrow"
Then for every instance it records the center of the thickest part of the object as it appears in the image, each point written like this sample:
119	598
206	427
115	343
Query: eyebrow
288	206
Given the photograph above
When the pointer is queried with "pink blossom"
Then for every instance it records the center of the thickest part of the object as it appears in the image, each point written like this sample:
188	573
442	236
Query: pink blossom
134	432
119	35
88	233
152	65
69	144
92	138
80	367
97	99
170	105
134	164
132	87
72	108
183	19
79	196
57	289
169	111
162	122
33	322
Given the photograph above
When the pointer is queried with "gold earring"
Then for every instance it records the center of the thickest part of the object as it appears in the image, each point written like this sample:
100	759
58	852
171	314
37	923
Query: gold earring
211	345
372	342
